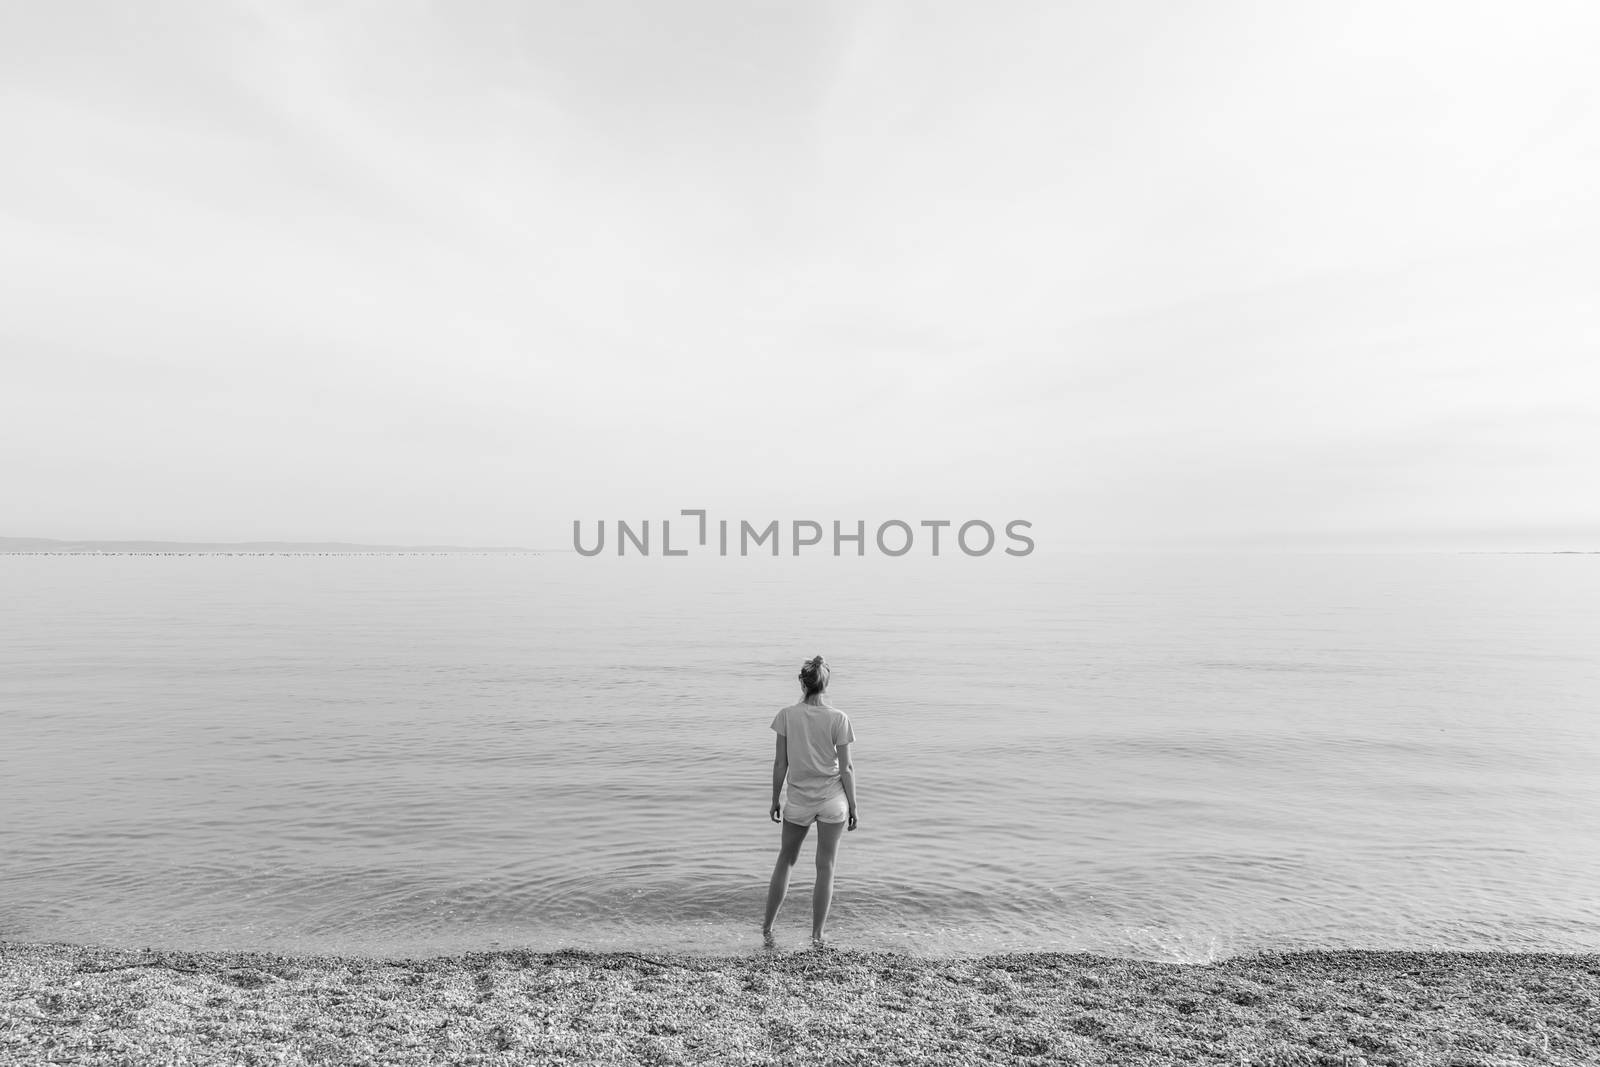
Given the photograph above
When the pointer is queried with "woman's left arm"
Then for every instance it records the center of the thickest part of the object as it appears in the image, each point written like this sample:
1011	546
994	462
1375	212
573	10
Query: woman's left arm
780	770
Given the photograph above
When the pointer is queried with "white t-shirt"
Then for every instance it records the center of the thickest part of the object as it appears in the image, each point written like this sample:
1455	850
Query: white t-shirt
814	731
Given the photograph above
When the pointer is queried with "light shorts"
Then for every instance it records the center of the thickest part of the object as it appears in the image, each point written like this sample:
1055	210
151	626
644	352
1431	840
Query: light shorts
805	812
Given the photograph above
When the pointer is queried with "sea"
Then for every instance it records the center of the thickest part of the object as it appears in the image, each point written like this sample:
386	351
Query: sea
1165	756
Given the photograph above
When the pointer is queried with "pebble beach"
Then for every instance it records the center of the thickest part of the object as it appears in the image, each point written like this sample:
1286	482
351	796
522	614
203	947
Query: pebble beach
78	1004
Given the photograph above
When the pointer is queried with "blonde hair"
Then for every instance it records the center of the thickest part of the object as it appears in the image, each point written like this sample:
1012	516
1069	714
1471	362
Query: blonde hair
814	675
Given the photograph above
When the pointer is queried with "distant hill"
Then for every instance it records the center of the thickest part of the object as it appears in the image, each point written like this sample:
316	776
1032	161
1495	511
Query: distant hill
46	544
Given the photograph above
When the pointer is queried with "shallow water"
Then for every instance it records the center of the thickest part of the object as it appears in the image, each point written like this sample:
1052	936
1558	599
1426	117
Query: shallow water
1173	757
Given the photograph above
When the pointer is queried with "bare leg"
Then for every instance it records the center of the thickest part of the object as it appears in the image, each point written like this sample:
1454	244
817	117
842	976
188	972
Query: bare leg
828	834
788	852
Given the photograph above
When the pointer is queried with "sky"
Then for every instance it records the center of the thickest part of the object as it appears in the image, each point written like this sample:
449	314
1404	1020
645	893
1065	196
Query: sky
1146	275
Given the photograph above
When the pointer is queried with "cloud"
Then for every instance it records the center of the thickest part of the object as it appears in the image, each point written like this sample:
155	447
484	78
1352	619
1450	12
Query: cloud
1211	273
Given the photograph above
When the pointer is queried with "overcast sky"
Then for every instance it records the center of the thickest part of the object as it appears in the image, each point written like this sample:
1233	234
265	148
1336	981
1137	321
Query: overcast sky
1141	273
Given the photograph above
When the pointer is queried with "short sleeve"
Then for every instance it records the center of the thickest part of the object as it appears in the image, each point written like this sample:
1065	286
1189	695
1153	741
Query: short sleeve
843	734
778	724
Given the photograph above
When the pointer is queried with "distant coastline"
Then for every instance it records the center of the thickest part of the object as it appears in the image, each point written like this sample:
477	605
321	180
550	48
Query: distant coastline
1536	552
46	546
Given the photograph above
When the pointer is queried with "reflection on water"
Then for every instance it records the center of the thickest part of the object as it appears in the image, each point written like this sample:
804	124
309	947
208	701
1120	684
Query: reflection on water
1165	757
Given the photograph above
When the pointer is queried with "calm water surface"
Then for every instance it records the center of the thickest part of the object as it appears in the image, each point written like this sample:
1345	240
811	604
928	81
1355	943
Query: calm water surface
1172	757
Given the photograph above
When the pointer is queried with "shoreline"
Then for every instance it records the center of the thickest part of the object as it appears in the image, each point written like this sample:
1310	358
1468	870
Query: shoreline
92	1004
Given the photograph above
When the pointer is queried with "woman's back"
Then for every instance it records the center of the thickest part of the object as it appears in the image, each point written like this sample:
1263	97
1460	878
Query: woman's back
814	732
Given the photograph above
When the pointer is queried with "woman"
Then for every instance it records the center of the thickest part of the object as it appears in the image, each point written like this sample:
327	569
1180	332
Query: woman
814	739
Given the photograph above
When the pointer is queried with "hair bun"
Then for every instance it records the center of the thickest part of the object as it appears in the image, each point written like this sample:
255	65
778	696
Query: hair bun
814	674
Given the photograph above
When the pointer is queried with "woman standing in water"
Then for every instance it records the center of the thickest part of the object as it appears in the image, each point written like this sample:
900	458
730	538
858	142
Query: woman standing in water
814	739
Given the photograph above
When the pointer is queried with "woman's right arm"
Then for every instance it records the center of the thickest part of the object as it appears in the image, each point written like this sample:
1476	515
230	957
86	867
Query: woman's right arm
847	778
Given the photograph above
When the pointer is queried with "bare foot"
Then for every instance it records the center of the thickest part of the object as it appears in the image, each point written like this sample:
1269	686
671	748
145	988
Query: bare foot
768	940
